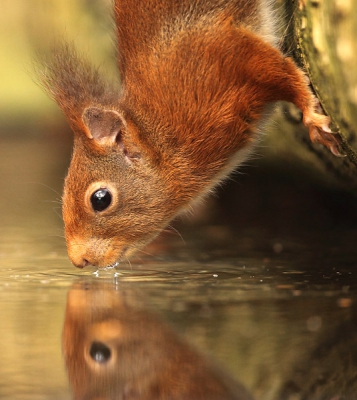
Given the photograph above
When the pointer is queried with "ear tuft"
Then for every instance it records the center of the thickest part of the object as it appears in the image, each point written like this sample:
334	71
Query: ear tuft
104	126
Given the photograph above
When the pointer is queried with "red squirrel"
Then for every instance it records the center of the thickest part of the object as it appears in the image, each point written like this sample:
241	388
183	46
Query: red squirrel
197	79
115	350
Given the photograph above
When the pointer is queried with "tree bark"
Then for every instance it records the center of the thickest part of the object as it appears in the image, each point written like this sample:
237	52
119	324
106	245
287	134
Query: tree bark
319	35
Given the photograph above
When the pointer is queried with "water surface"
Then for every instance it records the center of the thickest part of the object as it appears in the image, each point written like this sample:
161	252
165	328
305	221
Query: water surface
272	303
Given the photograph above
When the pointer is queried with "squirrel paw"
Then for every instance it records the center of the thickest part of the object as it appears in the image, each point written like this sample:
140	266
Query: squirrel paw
320	132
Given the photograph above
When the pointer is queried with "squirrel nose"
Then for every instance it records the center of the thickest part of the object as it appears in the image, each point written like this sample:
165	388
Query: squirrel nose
78	254
82	264
92	251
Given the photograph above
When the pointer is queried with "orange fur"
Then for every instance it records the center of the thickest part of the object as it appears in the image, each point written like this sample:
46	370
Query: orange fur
196	79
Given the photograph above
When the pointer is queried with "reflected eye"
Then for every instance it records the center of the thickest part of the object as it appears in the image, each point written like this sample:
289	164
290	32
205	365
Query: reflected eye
100	353
101	199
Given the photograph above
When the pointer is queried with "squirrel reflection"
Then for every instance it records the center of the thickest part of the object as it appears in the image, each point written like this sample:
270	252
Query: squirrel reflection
115	351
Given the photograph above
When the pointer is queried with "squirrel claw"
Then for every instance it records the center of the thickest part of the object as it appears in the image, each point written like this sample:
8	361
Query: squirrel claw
319	129
335	150
323	135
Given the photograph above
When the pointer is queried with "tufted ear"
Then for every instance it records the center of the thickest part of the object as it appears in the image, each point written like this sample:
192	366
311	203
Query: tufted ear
107	127
104	126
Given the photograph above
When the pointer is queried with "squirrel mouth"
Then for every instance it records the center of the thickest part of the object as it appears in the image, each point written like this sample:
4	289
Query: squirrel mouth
110	266
115	263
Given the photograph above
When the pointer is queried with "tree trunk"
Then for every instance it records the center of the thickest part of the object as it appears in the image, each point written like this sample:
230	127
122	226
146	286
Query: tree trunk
319	34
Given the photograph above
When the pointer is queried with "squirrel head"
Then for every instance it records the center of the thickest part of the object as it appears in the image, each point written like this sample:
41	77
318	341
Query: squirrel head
115	197
114	200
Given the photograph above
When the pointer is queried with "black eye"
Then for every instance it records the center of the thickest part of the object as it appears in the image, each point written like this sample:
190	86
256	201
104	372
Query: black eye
100	353
101	199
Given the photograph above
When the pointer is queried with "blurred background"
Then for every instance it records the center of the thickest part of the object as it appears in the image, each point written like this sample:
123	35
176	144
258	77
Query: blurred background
28	28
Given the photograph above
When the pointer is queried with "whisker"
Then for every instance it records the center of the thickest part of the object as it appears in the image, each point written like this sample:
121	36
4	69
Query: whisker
58	213
128	261
170	228
57	236
46	186
53	201
145	252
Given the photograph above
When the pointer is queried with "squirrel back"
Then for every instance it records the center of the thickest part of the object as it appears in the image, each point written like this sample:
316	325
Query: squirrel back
196	80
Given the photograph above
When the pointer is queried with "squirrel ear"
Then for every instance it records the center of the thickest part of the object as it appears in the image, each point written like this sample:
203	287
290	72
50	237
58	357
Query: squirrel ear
104	126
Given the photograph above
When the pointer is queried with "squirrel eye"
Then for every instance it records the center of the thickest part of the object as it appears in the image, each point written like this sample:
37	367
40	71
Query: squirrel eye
101	199
99	352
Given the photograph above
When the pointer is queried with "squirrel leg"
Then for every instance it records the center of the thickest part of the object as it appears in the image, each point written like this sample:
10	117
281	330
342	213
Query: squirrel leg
313	117
276	77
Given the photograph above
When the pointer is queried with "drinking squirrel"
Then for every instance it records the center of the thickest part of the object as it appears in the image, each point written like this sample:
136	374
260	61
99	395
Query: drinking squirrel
197	81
